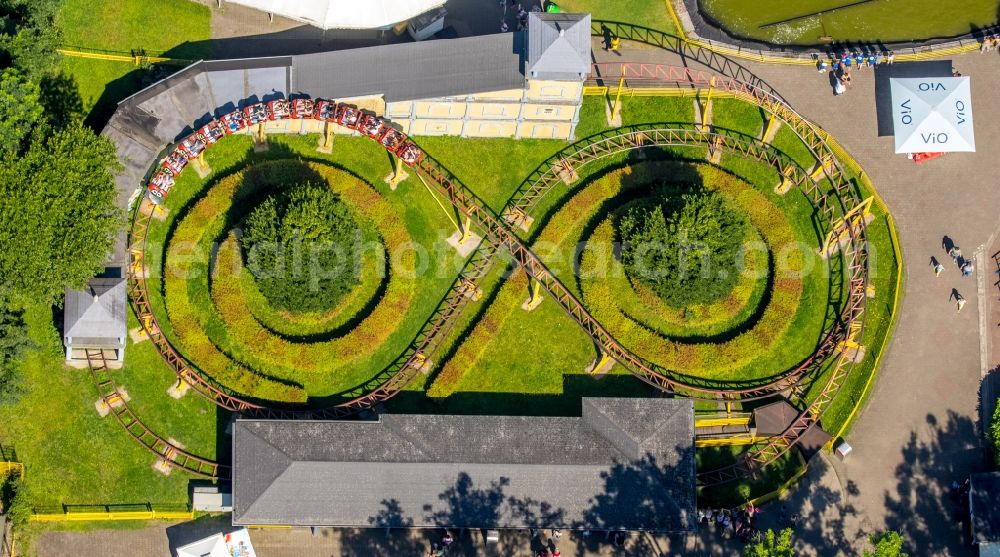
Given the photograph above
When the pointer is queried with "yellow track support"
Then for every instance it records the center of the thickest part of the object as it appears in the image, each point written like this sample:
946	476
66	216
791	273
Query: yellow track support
616	111
854	218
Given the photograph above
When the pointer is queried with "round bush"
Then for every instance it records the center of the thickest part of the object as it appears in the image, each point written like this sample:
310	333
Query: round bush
300	245
686	247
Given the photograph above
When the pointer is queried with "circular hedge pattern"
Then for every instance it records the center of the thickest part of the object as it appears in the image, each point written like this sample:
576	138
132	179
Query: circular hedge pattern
214	312
686	244
760	329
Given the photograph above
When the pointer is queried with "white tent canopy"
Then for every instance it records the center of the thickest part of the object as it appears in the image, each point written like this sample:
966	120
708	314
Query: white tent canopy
345	14
932	114
233	544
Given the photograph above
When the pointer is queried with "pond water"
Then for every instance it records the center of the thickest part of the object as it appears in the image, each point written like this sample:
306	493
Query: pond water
818	21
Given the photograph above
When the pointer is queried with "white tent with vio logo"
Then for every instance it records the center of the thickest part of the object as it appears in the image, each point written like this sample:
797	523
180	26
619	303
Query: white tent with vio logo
932	114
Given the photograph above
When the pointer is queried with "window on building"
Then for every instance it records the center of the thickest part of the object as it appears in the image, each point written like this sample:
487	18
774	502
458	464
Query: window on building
494	110
546	111
553	91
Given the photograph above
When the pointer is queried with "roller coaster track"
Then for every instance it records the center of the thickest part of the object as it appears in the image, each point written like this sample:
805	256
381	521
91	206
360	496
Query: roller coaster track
833	205
718	63
735	80
173	455
380	388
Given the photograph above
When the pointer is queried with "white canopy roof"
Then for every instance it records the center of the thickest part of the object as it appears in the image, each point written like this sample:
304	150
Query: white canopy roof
932	114
233	544
345	14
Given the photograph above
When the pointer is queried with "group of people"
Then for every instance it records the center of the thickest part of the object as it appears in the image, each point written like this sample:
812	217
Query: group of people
738	522
440	550
841	63
965	266
990	42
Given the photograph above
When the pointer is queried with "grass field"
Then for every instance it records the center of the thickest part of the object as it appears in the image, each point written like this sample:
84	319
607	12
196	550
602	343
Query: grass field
179	28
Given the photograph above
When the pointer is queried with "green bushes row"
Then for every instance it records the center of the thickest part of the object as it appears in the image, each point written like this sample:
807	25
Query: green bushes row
511	294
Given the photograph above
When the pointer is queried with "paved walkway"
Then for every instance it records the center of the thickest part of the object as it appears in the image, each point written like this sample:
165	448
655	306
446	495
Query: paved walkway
920	430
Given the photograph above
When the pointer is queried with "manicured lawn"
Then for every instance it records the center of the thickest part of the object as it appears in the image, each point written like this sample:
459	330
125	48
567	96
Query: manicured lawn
647	13
72	456
178	28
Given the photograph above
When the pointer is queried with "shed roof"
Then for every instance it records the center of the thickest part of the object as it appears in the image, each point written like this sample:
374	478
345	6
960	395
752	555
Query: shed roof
558	46
474	471
98	311
984	512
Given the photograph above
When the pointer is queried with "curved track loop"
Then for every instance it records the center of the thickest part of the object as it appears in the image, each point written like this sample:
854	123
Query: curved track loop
173	455
653	135
840	198
380	388
718	63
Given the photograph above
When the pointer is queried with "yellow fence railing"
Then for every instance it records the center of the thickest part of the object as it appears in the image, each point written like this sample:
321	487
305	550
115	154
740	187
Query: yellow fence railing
737	440
103	516
135	58
11	468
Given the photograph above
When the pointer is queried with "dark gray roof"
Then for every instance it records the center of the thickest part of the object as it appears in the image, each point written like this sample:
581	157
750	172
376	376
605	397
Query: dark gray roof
626	464
774	418
984	505
418	70
558	46
96	312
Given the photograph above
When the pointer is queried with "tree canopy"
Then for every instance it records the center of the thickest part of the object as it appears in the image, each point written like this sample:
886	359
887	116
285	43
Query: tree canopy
300	245
773	545
57	190
687	247
58	198
14	341
885	544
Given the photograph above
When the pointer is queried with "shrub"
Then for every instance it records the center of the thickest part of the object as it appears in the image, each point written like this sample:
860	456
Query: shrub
301	243
995	433
684	247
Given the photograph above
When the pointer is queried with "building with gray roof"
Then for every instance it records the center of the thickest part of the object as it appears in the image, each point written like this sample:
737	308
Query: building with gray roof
95	318
558	46
624	464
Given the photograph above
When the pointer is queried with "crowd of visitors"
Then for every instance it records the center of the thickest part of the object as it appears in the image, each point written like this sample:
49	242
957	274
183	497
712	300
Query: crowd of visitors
737	522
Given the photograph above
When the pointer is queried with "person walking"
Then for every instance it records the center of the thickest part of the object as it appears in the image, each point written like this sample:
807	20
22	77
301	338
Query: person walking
938	269
967	268
615	43
961	302
956	254
891	57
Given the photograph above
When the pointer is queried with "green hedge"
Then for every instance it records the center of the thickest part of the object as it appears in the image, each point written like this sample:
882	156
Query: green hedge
180	265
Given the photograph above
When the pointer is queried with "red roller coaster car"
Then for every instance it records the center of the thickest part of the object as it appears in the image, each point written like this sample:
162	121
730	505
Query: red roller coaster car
255	114
193	145
325	110
410	153
371	125
234	121
347	116
212	132
392	139
175	162
279	109
303	108
160	184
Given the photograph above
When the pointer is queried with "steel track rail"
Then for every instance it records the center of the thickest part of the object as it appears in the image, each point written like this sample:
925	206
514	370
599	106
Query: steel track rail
173	455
